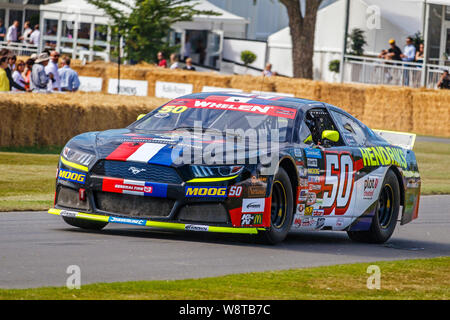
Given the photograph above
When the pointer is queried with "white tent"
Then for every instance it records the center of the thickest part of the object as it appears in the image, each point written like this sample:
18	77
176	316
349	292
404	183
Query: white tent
381	20
67	17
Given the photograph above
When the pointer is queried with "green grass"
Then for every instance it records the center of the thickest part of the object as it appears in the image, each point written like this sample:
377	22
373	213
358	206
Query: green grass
27	181
407	279
27	178
433	159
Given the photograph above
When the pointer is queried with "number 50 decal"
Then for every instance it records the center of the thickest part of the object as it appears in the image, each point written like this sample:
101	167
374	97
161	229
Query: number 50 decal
339	181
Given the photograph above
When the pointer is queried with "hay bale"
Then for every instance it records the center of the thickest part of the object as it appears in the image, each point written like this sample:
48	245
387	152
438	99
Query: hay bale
249	83
388	108
350	98
52	119
300	88
431	112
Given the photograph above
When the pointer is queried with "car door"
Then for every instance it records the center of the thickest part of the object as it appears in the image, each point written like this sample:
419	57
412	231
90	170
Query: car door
325	192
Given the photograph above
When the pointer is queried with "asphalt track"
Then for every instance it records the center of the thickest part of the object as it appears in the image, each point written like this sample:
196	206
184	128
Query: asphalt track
36	249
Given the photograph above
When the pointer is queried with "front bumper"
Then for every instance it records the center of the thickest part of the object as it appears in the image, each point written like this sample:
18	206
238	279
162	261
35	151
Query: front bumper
153	224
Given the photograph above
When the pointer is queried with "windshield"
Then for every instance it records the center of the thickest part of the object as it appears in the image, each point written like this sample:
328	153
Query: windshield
187	114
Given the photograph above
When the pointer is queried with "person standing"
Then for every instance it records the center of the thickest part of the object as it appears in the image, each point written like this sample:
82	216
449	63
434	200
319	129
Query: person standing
189	65
18	77
4	82
35	37
52	68
69	77
444	82
26	33
27	73
11	36
409	52
161	61
174	61
268	70
11	60
2	31
39	78
394	52
420	54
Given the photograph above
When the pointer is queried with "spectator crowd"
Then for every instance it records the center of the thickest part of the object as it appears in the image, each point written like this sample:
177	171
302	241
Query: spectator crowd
413	54
40	73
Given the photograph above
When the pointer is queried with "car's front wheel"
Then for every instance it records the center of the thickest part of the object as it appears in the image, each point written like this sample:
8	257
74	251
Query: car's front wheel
85	224
386	213
281	209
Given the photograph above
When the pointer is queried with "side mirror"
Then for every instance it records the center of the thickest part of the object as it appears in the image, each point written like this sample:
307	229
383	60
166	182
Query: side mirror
141	116
330	135
308	140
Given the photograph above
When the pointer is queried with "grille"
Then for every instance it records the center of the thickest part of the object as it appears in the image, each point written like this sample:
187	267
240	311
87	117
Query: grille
133	206
147	172
209	213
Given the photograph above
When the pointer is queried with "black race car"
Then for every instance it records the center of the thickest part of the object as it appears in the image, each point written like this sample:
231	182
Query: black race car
240	163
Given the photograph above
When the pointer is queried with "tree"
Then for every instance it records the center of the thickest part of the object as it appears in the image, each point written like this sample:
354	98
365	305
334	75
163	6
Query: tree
358	41
302	26
248	58
145	24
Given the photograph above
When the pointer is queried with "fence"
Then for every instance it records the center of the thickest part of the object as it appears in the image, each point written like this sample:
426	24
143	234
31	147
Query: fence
20	49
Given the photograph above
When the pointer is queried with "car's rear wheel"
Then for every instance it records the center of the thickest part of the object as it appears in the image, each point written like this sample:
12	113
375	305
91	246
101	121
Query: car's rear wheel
85	224
281	209
386	213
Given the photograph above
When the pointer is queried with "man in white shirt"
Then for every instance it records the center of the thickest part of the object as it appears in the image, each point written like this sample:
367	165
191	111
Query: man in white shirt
11	36
26	32
52	68
35	36
409	52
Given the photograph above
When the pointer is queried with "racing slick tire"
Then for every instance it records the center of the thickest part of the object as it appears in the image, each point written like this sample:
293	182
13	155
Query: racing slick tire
386	213
282	209
85	224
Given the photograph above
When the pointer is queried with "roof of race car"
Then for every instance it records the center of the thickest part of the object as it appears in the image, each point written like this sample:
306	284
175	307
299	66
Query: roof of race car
260	99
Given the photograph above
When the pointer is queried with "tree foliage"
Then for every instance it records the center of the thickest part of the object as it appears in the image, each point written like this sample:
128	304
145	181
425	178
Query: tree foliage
145	24
248	57
357	42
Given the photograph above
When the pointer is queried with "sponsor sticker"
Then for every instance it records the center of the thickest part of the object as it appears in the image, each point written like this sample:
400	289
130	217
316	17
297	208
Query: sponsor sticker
194	227
318	212
73	176
139	222
302	195
315	171
320	223
70	214
313	179
311	198
251	219
309	211
301	208
315	187
312	162
313	153
253	205
211	192
256	191
370	185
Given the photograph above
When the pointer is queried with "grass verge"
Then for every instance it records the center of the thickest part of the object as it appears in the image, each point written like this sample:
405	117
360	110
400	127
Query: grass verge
421	279
27	178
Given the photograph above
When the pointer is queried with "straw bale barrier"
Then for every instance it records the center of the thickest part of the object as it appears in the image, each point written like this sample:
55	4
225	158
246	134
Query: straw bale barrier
33	119
40	119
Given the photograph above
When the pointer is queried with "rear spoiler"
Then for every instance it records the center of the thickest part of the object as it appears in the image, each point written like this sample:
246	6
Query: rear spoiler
401	139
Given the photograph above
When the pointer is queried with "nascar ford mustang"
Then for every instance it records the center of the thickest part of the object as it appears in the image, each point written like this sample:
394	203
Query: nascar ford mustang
323	170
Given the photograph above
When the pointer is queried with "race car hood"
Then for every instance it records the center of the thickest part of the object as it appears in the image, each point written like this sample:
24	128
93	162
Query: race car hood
161	147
